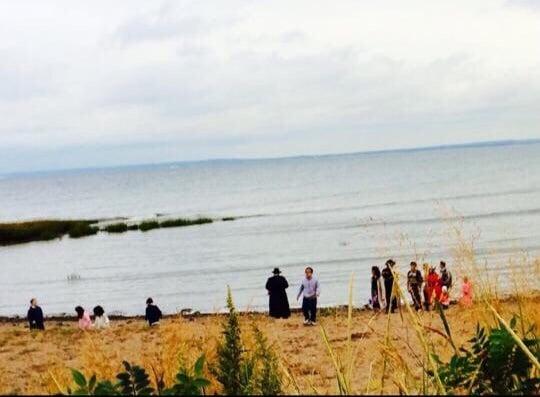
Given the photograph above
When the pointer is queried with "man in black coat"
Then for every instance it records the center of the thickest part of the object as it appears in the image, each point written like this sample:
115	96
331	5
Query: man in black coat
279	303
35	316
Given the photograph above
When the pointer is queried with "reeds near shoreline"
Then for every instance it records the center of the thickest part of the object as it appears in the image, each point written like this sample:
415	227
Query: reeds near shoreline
44	230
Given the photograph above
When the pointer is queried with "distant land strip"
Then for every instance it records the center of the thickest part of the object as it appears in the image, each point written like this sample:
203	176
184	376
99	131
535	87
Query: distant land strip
50	229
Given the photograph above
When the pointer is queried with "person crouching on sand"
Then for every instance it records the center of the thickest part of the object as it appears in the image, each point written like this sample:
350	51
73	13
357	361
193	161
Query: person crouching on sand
310	290
85	323
445	298
101	321
153	314
277	292
35	316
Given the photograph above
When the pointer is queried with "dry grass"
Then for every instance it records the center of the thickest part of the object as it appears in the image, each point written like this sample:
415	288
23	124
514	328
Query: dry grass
36	363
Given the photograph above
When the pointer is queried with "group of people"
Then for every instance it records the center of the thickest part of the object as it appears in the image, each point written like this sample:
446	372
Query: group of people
36	320
426	291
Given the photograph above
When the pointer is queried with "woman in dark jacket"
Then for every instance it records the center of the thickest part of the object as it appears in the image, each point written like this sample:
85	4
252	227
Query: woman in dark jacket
279	303
153	314
35	316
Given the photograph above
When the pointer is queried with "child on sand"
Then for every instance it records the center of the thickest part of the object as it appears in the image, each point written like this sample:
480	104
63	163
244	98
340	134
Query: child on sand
101	320
445	298
378	301
35	316
85	323
466	293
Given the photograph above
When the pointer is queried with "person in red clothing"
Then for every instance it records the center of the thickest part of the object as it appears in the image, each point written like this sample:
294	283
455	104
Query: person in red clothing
432	288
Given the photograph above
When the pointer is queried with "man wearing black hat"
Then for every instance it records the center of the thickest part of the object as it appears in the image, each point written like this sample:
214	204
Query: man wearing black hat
279	303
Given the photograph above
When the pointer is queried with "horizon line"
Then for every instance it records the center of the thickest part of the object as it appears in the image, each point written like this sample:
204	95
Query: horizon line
502	142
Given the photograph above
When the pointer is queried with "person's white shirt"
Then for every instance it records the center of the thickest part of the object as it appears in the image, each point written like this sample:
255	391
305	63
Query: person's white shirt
101	322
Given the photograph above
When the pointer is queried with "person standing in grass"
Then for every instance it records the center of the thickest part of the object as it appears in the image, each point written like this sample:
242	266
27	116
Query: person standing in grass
446	276
377	289
85	323
466	293
388	276
310	290
414	283
153	314
101	321
277	291
432	288
35	316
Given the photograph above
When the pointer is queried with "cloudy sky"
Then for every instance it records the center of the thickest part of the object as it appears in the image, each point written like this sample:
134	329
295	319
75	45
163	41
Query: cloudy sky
121	82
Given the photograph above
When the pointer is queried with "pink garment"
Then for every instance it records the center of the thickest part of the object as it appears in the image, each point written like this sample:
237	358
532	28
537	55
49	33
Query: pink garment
85	322
467	294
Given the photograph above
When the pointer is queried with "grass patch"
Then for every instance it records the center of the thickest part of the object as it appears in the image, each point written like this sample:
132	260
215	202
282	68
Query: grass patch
43	230
116	228
82	229
180	222
148	225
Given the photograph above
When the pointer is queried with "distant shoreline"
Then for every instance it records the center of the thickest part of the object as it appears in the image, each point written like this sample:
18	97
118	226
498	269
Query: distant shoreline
472	145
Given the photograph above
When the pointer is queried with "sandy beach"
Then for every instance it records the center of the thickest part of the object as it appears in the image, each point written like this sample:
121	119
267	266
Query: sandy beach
40	362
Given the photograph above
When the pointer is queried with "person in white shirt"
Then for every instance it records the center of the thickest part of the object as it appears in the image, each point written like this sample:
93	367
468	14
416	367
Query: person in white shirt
310	290
101	320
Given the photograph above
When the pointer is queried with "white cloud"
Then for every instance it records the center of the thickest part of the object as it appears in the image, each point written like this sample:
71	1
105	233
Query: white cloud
192	80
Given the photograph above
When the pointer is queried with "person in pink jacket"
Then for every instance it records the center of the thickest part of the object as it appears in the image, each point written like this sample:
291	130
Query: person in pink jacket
466	293
84	318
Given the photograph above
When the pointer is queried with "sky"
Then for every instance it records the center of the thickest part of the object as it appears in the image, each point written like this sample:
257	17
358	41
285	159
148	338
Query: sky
102	83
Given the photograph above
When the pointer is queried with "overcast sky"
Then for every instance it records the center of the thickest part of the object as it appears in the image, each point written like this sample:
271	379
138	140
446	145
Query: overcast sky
120	82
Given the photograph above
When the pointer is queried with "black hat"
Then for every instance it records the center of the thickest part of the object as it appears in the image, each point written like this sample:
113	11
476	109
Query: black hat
276	270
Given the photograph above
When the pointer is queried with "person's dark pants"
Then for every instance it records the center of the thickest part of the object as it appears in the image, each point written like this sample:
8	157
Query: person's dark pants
309	307
388	292
427	299
415	293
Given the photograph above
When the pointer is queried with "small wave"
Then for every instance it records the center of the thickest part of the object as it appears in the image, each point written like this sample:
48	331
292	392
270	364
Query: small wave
392	203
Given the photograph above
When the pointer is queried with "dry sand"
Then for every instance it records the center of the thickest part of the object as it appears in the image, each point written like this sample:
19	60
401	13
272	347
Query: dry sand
30	361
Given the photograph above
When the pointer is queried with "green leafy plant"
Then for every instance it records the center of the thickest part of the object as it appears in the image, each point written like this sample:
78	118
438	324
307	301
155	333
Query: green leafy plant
230	367
268	379
495	364
190	382
91	387
134	381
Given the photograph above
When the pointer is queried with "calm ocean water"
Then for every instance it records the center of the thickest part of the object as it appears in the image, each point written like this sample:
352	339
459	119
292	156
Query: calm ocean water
340	214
